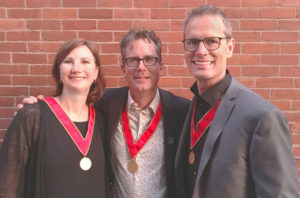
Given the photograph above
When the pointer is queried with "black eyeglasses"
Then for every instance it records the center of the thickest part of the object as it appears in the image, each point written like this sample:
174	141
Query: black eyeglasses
135	61
210	43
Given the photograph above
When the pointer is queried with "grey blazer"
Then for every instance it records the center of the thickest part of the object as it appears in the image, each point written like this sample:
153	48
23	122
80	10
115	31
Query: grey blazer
247	152
174	109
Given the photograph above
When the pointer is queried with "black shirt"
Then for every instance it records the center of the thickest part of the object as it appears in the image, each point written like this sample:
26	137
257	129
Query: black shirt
204	103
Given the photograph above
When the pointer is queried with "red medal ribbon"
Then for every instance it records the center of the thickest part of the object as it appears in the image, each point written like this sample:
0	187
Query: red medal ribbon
134	148
83	144
202	125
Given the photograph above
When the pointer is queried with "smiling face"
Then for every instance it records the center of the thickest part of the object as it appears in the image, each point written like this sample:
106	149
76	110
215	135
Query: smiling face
208	67
78	70
142	78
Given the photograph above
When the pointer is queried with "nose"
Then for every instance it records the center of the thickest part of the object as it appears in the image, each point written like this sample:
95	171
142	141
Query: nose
141	65
201	48
76	66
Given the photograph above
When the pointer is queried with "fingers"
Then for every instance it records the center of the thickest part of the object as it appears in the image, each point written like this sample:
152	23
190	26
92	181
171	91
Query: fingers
29	100
41	97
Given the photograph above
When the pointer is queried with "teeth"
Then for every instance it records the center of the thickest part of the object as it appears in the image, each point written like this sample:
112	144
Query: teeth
202	63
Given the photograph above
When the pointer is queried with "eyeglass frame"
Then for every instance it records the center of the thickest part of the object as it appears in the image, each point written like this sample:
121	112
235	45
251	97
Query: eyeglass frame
202	40
157	60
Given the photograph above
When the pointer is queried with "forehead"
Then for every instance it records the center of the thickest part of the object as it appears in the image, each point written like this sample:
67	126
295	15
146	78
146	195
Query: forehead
205	26
81	52
141	47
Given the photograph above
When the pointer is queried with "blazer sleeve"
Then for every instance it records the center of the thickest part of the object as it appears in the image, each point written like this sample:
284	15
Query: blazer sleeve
272	163
15	151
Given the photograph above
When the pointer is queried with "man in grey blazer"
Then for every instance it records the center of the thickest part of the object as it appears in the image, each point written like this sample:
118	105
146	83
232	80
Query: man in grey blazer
234	144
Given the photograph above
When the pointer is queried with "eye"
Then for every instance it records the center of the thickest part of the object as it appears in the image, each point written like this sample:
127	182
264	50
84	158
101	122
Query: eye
67	61
211	41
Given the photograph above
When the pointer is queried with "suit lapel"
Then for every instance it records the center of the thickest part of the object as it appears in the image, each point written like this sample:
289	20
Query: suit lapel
222	115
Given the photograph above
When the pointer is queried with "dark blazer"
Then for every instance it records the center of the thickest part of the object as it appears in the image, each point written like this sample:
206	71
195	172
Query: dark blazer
247	152
174	111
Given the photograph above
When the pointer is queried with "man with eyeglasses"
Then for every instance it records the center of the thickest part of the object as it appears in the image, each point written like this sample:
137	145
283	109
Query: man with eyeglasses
234	144
143	122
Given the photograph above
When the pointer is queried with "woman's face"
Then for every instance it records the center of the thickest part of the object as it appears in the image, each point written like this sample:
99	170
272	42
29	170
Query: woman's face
78	70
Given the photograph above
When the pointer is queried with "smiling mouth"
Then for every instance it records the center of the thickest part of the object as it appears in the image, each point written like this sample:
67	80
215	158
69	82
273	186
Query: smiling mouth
202	62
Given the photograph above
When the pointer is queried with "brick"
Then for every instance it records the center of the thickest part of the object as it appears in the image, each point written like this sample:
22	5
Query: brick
277	13
186	3
260	48
23	36
157	25
95	13
58	35
274	82
297	129
244	60
110	48
4	57
178	71
279	60
290	71
60	13
247	36
109	59
7	101
168	82
12	3
167	13
248	82
112	70
42	3
44	47
188	82
234	70
4	123
30	80
183	92
140	13
260	71
79	25
282	105
290	48
96	36
170	36
2	12
265	93
41	69
289	25
228	3
79	3
115	3
11	24
177	25
285	94
5	80
260	3
111	82
258	25
13	91
295	105
150	4
295	116
13	69
12	47
46	91
289	3
24	13
297	83
173	59
43	25
241	13
8	111
30	58
280	36
114	25
175	48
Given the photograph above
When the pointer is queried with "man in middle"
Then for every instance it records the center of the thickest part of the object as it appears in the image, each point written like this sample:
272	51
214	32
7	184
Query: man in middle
143	122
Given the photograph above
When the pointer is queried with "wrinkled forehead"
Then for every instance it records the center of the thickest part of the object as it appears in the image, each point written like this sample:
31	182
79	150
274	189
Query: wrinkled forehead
139	47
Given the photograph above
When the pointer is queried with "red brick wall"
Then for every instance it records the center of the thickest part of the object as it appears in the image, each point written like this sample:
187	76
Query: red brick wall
266	55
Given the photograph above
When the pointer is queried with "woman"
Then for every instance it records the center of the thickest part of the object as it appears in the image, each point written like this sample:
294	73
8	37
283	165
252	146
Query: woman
54	148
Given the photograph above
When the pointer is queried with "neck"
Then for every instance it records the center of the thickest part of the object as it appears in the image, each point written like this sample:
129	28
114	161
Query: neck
205	84
142	98
74	106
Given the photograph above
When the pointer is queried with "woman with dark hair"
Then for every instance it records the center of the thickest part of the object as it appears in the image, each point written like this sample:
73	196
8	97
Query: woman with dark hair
54	148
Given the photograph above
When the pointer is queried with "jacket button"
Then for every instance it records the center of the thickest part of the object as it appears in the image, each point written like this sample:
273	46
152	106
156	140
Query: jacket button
171	140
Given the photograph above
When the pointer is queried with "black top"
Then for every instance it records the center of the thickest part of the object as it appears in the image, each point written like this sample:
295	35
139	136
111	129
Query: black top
38	158
203	104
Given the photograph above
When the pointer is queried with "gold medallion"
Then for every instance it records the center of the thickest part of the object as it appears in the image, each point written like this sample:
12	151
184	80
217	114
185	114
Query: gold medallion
192	157
132	166
85	163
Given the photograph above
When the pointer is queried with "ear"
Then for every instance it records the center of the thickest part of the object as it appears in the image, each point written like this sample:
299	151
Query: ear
123	68
96	73
230	47
161	66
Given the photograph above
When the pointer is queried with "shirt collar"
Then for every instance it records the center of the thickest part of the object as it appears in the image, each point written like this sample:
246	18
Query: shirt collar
151	108
213	94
